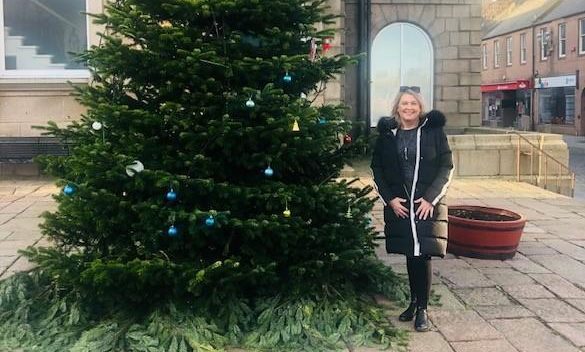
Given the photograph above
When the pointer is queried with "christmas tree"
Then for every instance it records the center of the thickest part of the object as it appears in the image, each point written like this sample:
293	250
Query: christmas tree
200	208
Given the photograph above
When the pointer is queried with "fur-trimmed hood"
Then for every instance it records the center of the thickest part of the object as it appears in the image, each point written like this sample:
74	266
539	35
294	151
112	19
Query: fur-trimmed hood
433	118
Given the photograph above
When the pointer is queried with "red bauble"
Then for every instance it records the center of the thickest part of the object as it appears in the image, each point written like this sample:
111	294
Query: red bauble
347	139
326	45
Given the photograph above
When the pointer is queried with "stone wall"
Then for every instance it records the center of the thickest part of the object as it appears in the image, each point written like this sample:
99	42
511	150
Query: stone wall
495	155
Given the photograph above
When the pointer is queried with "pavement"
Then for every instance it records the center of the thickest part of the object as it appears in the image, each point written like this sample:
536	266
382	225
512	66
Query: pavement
534	302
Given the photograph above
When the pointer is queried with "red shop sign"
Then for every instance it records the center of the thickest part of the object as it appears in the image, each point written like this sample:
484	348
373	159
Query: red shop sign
505	86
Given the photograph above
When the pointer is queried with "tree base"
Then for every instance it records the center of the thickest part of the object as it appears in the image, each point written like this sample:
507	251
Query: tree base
36	315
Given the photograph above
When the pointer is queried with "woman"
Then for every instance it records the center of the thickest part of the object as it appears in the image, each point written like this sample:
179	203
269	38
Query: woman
412	167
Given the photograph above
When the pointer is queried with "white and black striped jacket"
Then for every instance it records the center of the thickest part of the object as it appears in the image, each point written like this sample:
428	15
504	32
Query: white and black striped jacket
433	173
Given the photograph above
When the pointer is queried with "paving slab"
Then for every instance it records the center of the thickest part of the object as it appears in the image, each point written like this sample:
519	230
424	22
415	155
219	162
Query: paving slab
543	208
526	266
483	346
17	207
447	299
577	303
536	236
553	310
530	227
451	264
530	335
527	291
7	260
567	248
575	332
482	296
486	263
530	248
502	312
559	286
570	230
4	218
563	265
506	276
463	326
427	342
461	278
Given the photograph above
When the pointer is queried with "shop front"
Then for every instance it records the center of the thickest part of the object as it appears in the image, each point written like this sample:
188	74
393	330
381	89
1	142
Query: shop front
506	104
556	103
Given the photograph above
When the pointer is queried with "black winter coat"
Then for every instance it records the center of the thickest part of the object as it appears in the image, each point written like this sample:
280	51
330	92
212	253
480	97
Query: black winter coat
433	173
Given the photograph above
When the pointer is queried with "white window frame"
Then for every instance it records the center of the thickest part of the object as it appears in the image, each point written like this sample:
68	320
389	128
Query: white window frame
581	35
543	53
40	74
509	51
402	75
496	53
523	48
562	40
484	56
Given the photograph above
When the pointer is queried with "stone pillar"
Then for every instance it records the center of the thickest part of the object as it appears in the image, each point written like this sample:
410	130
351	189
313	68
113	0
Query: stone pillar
333	93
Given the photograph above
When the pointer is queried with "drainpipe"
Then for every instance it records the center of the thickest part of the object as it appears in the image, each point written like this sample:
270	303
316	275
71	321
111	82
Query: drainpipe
533	97
363	101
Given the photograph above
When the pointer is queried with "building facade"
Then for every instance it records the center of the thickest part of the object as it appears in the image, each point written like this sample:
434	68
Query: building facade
434	44
532	68
431	44
36	65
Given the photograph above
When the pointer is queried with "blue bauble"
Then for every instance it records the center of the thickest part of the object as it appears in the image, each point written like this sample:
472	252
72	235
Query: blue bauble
322	121
287	78
172	231
69	190
250	103
268	171
210	221
171	195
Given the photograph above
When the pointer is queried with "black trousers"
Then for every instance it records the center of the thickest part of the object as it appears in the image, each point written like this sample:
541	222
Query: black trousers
420	277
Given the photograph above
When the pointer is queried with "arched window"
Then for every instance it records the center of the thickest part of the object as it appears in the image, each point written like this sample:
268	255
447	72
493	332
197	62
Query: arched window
402	55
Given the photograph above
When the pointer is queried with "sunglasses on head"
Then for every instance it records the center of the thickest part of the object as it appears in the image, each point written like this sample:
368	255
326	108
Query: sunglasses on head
415	89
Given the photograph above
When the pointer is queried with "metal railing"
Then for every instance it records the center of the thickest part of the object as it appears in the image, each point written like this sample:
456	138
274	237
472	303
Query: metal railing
560	174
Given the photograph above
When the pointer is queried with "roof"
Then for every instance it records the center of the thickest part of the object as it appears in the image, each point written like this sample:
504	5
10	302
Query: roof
524	15
565	8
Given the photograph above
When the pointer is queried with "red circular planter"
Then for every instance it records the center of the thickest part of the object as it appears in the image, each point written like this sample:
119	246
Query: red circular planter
471	235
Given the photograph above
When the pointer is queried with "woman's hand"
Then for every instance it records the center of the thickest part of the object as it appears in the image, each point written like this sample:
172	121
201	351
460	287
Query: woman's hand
400	210
425	209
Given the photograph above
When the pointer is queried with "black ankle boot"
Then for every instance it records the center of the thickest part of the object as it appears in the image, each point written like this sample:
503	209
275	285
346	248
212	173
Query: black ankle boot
408	314
421	323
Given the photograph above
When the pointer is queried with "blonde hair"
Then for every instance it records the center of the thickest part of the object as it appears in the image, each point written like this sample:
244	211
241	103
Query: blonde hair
415	95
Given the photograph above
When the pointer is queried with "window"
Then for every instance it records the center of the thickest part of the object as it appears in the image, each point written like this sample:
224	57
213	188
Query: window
402	55
496	53
523	48
557	105
582	36
484	56
562	40
509	51
544	39
40	35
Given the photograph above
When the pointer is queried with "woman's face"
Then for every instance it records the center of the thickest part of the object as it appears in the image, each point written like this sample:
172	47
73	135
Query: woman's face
408	109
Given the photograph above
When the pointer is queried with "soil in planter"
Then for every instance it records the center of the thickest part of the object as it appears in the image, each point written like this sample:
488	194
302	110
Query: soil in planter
480	215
